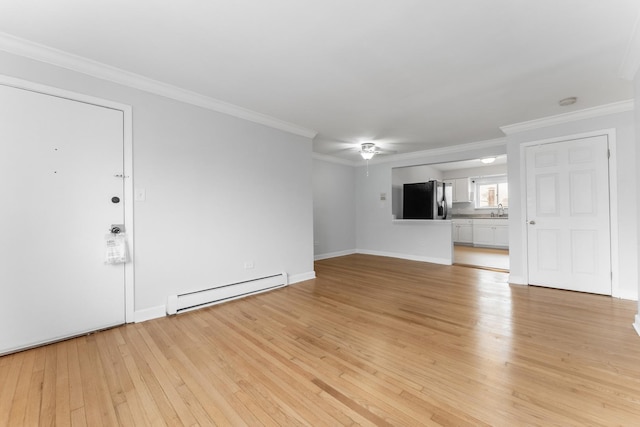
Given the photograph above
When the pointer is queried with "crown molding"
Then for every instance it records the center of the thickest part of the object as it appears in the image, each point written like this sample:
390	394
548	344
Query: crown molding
587	113
453	149
59	58
331	159
631	60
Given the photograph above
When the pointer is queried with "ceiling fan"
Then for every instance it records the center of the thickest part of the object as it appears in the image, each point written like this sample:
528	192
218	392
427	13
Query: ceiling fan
369	149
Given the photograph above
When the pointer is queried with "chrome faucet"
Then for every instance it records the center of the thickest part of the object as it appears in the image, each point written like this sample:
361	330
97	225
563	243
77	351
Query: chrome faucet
500	210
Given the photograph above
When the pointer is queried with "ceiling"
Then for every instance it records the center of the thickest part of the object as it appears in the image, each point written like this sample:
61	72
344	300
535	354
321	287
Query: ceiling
410	75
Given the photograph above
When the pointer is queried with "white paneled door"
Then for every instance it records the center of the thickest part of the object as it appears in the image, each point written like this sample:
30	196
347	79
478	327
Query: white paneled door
58	197
568	215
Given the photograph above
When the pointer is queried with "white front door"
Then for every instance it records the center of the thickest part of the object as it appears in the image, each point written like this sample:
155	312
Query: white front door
58	193
568	215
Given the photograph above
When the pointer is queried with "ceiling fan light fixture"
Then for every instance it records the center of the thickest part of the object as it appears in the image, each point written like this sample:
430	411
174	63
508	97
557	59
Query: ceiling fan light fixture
367	150
488	160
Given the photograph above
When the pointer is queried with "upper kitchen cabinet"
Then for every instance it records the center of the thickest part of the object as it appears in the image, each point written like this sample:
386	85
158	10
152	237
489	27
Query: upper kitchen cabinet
461	190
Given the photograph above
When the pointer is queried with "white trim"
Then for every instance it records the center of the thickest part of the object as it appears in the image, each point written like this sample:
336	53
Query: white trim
129	268
150	313
409	257
613	200
331	159
587	113
301	277
517	280
127	168
524	247
631	61
59	58
334	254
636	324
628	295
433	152
453	149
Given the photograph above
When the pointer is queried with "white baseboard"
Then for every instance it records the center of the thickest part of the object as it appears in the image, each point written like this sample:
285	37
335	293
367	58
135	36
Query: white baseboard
296	278
636	325
517	280
150	313
406	256
631	295
334	254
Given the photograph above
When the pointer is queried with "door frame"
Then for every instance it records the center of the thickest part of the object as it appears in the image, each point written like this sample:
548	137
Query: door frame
127	114
613	200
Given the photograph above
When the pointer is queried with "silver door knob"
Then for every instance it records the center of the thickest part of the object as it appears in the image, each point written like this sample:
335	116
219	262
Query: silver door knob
532	222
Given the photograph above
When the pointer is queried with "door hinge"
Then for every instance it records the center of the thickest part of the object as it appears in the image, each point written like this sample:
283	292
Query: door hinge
608	153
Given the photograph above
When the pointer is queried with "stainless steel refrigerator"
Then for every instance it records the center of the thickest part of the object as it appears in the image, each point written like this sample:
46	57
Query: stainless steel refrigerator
427	200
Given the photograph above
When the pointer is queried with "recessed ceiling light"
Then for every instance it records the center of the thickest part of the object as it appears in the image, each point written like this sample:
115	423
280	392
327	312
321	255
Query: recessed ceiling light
568	101
488	160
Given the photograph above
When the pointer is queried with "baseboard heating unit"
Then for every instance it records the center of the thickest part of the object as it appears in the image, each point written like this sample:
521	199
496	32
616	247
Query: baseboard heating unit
206	297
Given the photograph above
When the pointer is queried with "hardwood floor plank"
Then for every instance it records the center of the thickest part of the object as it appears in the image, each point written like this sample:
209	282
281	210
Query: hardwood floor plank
34	393
20	398
277	354
279	378
48	387
99	409
62	391
167	379
9	373
79	418
490	258
76	393
370	341
201	372
145	387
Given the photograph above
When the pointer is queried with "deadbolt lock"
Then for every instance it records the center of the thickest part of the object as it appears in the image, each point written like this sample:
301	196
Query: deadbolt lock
117	228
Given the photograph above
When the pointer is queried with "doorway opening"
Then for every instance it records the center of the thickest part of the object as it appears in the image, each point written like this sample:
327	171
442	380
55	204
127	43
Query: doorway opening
494	259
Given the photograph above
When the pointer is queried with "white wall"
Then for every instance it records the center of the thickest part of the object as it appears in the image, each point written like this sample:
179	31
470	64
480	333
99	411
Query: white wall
625	156
220	191
411	174
334	209
377	233
487	170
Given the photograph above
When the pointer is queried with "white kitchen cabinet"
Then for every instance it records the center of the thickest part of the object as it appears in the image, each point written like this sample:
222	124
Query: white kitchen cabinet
461	190
491	233
463	231
451	182
501	235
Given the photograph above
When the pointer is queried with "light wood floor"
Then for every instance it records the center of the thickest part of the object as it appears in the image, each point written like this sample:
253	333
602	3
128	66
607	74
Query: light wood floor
371	341
489	258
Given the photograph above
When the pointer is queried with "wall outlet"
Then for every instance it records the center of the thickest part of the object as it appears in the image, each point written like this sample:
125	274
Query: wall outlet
248	265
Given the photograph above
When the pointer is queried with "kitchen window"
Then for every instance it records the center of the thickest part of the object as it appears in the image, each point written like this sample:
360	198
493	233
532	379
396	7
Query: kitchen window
491	191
